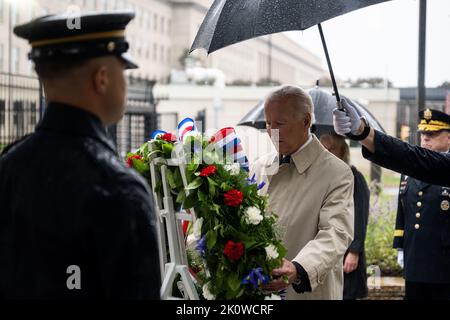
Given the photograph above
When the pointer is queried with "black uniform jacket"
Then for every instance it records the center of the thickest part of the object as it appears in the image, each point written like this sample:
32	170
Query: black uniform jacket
423	164
423	231
68	203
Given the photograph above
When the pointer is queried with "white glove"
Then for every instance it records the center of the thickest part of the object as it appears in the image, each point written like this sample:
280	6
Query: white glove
400	260
347	121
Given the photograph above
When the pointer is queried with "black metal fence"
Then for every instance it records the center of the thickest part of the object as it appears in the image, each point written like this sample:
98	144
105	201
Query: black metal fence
22	106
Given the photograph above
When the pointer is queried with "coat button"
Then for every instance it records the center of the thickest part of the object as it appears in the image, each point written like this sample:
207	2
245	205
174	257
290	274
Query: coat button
418	215
420	193
417	226
419	204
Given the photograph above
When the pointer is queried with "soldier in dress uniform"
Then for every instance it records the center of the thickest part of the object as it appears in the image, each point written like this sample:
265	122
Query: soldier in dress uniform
75	222
422	232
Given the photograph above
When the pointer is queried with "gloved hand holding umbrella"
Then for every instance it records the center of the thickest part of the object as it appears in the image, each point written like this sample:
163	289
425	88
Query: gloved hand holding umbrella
346	121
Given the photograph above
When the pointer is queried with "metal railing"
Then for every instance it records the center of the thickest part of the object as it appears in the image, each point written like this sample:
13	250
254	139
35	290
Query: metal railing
22	106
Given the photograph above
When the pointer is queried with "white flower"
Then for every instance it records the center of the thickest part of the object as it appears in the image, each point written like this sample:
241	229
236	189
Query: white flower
233	169
253	216
271	252
207	294
273	297
198	229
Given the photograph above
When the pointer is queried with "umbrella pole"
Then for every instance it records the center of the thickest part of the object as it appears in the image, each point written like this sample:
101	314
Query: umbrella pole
330	67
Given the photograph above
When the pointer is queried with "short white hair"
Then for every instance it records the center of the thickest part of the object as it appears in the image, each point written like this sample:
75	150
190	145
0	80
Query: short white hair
302	100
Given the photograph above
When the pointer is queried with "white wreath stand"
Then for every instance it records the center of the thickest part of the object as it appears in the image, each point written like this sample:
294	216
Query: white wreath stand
170	231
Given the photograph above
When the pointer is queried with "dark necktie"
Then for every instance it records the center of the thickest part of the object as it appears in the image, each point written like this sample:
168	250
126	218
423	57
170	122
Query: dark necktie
285	159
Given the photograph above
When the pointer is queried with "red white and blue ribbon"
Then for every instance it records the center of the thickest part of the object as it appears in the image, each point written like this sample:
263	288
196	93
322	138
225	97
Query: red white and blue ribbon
186	128
157	133
227	140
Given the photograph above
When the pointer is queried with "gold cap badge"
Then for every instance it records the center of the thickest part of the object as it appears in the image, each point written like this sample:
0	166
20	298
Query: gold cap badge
428	115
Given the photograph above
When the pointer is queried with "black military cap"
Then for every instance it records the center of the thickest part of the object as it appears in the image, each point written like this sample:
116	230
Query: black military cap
64	37
433	120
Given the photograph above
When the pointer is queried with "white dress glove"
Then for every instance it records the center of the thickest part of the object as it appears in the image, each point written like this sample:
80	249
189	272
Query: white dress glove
347	121
400	260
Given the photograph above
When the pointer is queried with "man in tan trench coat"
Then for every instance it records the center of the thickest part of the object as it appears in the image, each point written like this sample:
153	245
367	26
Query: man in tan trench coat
311	191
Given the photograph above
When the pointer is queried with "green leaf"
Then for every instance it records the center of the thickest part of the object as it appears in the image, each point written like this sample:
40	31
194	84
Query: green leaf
143	150
225	186
167	149
140	166
129	154
181	197
212	188
195	184
171	179
281	250
158	187
190	201
211	181
215	207
192	167
211	239
201	196
249	244
177	178
241	292
234	282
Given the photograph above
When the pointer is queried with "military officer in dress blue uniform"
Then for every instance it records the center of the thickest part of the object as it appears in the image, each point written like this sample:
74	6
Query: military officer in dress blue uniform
422	232
75	222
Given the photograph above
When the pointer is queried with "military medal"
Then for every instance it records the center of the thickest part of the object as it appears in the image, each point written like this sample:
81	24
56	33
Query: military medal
445	205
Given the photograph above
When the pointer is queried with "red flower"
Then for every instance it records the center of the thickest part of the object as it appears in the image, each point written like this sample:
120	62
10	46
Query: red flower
233	198
130	159
169	137
208	171
234	251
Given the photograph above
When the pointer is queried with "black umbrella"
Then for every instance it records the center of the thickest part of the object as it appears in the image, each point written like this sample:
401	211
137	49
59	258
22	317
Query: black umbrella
324	103
231	21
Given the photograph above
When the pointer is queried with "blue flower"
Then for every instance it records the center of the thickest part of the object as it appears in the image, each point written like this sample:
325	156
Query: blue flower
201	246
255	277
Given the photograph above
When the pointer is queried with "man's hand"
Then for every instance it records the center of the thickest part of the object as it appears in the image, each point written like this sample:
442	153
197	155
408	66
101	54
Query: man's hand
351	262
347	120
400	259
287	270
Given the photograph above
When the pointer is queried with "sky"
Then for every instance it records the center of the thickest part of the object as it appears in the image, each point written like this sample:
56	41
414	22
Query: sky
382	41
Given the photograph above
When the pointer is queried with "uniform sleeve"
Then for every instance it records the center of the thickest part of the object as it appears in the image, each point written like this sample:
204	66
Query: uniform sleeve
335	232
124	237
361	198
399	224
422	164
